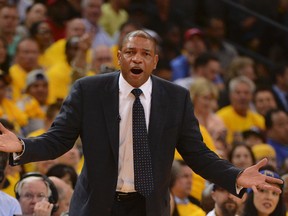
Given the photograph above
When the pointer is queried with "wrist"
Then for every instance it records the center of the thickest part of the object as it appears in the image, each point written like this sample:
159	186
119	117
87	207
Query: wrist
22	146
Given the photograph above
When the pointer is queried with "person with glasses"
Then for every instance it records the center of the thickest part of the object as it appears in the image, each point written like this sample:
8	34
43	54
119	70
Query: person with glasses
33	195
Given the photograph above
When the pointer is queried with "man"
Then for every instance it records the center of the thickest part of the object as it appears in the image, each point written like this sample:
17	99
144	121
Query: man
9	19
238	116
180	186
8	205
36	194
194	45
264	100
26	60
206	65
91	12
276	122
226	204
280	86
65	192
34	102
99	109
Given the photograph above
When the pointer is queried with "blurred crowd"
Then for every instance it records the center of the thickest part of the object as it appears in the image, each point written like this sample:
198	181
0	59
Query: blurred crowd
221	53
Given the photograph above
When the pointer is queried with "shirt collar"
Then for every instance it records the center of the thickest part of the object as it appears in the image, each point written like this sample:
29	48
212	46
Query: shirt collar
125	88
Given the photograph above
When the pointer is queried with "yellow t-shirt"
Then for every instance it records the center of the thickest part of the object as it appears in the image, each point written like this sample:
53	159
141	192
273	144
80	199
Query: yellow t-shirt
237	124
18	76
10	111
12	182
198	183
31	107
59	77
111	20
56	54
189	209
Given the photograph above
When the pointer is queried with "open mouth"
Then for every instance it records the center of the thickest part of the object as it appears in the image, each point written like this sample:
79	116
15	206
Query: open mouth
136	70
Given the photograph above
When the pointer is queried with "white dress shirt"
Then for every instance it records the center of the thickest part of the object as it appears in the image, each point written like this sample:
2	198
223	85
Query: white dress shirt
125	181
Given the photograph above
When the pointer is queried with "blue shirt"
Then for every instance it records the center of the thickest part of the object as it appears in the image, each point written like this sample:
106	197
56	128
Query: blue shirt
180	67
281	151
9	206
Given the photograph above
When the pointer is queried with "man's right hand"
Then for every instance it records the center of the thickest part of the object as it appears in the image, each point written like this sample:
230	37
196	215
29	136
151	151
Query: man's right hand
9	142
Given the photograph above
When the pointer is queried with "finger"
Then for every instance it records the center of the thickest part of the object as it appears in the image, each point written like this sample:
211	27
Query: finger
3	129
254	188
261	163
273	180
273	188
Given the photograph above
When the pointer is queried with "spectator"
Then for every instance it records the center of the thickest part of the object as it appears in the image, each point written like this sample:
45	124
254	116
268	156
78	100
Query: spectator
216	44
36	194
206	65
276	122
26	60
41	33
64	195
238	116
194	45
34	102
226	204
180	186
36	12
264	100
204	97
56	52
280	86
114	14
65	172
9	19
91	12
264	202
8	205
8	108
241	156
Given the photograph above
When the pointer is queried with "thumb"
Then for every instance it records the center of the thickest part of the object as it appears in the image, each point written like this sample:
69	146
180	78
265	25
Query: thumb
261	163
3	130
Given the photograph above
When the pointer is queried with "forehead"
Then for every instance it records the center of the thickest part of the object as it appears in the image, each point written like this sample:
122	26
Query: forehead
138	42
34	186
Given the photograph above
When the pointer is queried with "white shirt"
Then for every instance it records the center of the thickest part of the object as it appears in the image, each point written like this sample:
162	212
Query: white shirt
9	206
125	181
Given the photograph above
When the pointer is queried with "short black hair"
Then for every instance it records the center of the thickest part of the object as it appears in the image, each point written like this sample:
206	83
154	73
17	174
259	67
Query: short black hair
204	59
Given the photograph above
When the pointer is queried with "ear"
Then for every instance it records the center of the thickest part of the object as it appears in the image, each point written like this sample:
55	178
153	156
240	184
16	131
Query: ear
156	59
119	57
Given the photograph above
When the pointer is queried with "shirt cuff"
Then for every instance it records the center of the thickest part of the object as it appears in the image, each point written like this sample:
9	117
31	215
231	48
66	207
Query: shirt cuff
238	188
16	156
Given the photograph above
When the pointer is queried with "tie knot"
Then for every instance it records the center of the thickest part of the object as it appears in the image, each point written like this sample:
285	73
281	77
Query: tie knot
136	92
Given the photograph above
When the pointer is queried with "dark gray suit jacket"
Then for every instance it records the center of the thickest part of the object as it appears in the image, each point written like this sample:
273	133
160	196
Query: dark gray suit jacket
91	111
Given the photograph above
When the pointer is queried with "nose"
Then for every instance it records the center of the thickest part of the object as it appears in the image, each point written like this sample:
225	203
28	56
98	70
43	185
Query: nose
137	58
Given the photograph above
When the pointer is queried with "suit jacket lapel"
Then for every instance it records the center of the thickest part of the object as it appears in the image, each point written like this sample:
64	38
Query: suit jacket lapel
111	112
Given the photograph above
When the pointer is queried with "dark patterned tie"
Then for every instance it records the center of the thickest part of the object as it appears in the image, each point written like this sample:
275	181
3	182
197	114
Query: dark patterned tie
143	175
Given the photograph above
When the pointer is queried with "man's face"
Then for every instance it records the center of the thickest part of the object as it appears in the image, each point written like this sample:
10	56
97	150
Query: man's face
32	192
280	127
8	20
39	90
264	101
241	97
137	60
183	183
211	70
75	27
226	204
27	55
92	11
